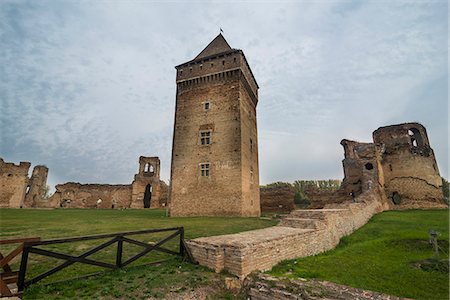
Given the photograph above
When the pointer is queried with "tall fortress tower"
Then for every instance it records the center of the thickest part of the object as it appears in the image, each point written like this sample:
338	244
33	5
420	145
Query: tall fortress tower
214	168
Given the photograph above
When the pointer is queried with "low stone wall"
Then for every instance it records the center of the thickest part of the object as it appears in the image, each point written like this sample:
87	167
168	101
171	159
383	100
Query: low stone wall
242	253
277	199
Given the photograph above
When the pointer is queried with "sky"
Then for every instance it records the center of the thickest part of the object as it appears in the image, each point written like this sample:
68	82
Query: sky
86	87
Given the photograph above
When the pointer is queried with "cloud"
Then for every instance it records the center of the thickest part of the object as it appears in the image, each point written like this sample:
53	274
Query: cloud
86	88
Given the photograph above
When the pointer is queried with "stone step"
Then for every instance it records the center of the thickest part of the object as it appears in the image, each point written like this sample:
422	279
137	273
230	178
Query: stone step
302	223
314	213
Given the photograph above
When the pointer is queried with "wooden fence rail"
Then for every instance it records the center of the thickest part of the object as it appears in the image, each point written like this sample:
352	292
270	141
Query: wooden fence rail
8	277
31	246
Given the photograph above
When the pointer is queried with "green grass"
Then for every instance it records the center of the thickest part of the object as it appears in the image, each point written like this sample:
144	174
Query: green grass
380	257
133	282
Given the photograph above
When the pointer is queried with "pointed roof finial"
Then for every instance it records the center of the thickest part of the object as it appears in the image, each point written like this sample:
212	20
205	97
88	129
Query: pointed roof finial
217	45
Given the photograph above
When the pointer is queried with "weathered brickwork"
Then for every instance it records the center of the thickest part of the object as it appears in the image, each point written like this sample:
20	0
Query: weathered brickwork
242	253
400	165
38	187
410	174
400	160
13	183
147	188
76	195
215	154
17	190
275	199
146	191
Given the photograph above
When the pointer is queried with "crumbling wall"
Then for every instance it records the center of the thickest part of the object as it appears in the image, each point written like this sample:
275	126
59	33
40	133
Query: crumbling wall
320	198
400	165
410	175
13	183
76	195
360	175
17	190
147	189
37	187
277	199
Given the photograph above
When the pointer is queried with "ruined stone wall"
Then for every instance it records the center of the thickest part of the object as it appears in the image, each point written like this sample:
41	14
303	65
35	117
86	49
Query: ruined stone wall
17	190
320	198
277	199
410	175
38	187
76	195
13	183
146	183
360	166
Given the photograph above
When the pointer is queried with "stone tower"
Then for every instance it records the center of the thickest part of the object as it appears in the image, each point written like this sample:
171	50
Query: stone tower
407	165
214	168
146	188
37	185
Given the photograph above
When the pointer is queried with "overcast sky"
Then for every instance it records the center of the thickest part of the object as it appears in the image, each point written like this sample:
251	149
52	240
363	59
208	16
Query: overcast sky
88	87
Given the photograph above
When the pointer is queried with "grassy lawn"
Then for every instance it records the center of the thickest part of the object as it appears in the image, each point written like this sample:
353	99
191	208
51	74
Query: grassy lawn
133	282
381	256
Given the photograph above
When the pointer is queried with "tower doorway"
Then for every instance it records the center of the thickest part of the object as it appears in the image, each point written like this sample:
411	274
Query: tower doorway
147	196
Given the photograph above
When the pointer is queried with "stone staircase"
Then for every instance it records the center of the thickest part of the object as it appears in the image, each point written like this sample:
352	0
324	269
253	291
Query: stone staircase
309	218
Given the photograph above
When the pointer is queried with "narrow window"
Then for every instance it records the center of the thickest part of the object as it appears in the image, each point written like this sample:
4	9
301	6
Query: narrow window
416	137
204	169
181	72
223	63
148	168
206	106
251	176
390	167
234	59
251	145
212	65
205	137
201	67
369	166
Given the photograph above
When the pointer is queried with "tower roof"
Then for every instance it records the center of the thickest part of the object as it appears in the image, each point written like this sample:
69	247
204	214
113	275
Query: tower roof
217	45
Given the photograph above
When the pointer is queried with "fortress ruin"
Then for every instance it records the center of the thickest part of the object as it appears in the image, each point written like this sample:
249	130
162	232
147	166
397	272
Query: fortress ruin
146	191
399	165
17	190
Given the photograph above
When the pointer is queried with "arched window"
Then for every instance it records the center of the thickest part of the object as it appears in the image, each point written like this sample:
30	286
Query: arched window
148	168
416	137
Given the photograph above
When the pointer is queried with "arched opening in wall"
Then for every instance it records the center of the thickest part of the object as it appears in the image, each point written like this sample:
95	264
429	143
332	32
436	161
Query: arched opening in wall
28	189
416	137
147	196
396	199
148	168
368	166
